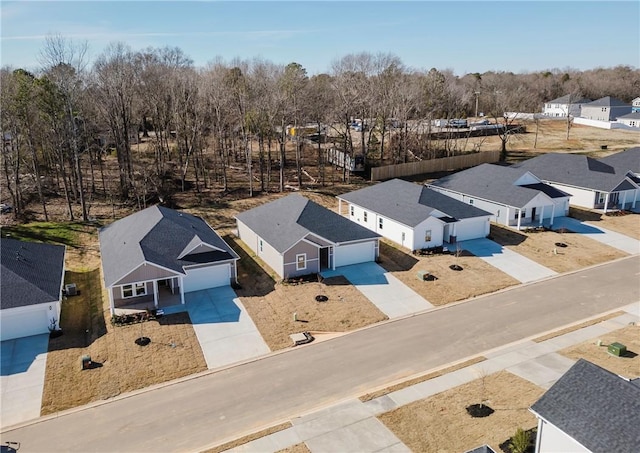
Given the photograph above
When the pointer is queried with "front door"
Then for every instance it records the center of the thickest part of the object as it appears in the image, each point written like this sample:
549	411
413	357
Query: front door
324	258
533	214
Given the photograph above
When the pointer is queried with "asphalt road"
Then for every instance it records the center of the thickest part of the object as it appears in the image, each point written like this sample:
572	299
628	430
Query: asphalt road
208	410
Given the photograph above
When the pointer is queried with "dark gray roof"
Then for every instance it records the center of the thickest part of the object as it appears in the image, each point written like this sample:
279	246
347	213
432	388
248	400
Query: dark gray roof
491	182
570	98
608	101
409	203
628	160
630	116
286	221
574	170
597	408
32	273
157	235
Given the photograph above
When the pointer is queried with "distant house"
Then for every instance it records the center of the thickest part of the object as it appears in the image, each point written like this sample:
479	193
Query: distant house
589	409
296	236
566	105
32	275
514	196
635	105
592	183
630	119
414	216
605	109
158	253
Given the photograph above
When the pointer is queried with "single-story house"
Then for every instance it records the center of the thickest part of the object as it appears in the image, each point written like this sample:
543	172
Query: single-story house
630	119
589	409
296	236
592	183
31	286
514	196
155	256
569	104
605	109
413	215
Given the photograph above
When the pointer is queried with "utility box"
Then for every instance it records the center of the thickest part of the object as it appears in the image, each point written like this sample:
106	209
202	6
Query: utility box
423	275
71	289
86	362
617	349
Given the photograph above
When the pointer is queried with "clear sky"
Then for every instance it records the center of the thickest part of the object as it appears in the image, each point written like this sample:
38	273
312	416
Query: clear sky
476	36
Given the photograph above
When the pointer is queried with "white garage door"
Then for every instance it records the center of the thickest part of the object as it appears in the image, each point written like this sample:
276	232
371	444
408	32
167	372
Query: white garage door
474	228
354	253
207	277
23	324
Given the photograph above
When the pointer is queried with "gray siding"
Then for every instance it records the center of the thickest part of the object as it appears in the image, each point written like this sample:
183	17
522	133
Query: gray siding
118	301
313	260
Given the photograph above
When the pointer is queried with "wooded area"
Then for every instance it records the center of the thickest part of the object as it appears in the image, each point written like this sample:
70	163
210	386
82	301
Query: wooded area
137	127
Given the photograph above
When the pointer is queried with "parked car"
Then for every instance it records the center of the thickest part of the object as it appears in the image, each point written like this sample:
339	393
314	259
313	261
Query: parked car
458	123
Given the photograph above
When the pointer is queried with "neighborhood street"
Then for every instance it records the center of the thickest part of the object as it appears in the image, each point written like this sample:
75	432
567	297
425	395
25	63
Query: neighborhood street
208	410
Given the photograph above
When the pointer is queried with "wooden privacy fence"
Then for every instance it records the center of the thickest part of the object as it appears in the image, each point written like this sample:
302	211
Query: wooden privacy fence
434	165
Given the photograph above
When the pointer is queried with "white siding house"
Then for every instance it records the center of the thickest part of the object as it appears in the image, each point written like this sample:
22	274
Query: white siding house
605	109
635	105
566	105
631	120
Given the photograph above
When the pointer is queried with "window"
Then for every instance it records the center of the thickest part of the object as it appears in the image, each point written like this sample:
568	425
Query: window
470	201
351	210
139	289
365	216
427	236
403	236
260	244
380	223
301	261
520	213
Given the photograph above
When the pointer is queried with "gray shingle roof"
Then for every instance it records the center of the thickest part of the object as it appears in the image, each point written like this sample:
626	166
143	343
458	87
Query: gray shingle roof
409	203
31	273
157	235
569	98
492	182
628	160
608	101
630	116
286	221
597	408
574	170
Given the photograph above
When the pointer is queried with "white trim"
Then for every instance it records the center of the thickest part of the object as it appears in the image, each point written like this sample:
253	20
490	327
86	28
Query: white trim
144	263
304	257
209	264
134	288
185	252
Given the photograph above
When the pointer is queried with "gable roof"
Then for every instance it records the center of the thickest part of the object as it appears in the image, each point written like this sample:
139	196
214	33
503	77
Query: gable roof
495	183
409	203
575	170
158	235
31	273
627	160
568	98
286	221
595	407
630	116
607	101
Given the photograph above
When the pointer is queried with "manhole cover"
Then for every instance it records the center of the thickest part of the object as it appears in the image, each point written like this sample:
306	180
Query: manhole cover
321	298
143	341
561	244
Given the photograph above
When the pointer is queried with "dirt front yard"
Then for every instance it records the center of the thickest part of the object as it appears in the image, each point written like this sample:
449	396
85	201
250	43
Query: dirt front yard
475	278
540	246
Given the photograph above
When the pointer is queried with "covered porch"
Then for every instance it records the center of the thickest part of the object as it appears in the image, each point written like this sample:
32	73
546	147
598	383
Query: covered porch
149	295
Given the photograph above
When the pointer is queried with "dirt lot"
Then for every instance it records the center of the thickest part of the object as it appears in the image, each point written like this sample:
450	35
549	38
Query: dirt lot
628	366
476	278
627	224
441	423
540	246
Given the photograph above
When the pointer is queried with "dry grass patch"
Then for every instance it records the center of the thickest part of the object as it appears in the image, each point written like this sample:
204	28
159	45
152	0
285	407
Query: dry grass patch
426	377
476	278
628	366
591	322
624	223
441	423
540	246
297	448
246	439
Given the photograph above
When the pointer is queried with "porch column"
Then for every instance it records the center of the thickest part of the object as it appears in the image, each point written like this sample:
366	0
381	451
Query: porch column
635	196
111	304
553	212
333	258
181	291
624	198
519	217
508	217
155	293
606	202
541	214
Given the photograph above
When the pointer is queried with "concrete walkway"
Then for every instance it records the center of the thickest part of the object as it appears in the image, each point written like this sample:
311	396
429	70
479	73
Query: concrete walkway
225	330
353	426
23	364
519	267
390	295
597	233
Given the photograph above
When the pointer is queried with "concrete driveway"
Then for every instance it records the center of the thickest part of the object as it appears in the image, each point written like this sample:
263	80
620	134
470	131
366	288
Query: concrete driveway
23	363
508	261
390	295
224	329
608	237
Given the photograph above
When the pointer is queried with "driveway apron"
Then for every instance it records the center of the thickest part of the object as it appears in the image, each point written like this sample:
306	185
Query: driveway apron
508	261
607	237
224	329
385	291
23	363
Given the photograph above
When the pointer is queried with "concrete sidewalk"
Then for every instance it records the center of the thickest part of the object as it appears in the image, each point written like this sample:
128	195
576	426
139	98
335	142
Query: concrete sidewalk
353	426
597	233
519	267
390	295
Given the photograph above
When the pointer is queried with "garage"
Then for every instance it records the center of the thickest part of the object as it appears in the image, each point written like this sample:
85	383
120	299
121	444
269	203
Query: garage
345	255
207	277
25	321
472	228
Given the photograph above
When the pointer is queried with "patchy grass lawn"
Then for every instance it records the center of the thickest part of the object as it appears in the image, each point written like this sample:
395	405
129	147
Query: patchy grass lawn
628	366
540	247
627	223
441	423
476	278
